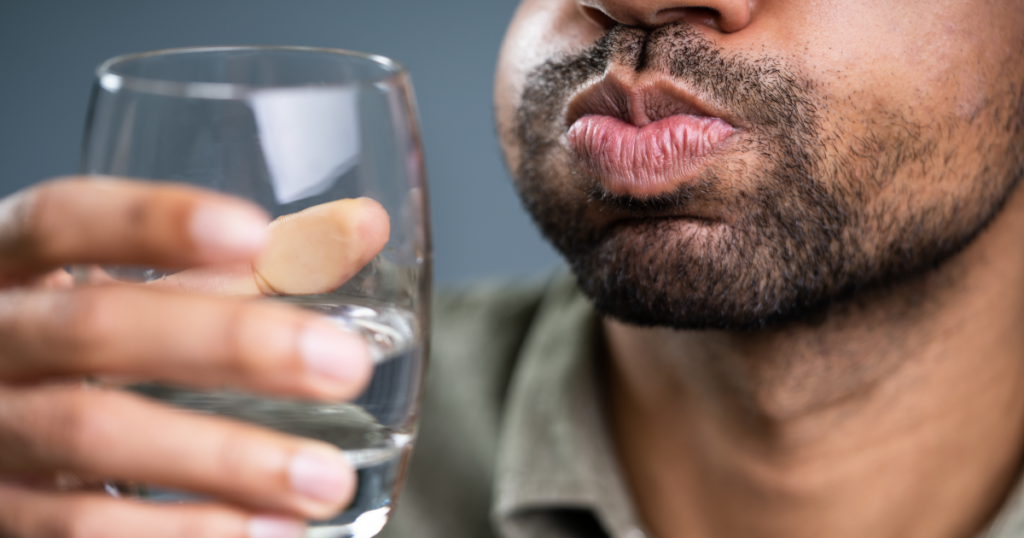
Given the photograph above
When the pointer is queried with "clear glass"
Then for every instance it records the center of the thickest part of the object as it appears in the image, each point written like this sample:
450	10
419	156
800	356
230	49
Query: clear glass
290	128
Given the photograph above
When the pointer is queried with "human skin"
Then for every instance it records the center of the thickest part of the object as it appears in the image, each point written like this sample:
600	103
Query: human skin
894	413
60	438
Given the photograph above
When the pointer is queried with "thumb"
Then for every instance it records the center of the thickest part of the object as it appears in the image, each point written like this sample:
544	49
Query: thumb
312	251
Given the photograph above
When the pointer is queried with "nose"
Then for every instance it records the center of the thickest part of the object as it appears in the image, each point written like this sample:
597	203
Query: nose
725	16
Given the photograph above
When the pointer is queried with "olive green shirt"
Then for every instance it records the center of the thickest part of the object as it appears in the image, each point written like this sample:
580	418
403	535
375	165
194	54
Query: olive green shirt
513	441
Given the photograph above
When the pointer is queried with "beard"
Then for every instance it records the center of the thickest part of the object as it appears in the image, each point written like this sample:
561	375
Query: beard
814	215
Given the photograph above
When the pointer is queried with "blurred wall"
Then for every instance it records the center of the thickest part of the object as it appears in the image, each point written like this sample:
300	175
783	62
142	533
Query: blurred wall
49	48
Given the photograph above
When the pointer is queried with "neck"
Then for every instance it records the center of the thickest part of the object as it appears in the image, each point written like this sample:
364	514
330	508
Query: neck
897	415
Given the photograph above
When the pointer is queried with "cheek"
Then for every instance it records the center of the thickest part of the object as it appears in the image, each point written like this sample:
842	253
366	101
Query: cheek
971	97
540	30
928	58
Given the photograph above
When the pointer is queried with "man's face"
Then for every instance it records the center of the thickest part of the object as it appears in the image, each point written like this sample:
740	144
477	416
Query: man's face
750	163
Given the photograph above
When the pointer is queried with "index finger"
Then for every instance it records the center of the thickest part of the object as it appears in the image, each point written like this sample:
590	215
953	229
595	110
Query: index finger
118	221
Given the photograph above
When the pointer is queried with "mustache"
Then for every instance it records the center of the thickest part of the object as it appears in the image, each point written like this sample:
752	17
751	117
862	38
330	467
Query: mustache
769	93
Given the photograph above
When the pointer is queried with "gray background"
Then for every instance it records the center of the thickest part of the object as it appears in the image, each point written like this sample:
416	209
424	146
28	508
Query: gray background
49	48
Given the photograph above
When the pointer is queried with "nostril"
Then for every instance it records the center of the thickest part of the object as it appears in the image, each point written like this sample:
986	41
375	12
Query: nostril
707	16
598	17
695	15
717	16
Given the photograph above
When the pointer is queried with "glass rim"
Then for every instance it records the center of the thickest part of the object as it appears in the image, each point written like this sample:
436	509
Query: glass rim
230	90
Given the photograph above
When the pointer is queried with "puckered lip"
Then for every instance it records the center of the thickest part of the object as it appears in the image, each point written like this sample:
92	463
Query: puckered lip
643	135
642	100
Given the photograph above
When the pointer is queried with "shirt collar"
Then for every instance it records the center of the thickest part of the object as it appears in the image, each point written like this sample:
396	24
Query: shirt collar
555	451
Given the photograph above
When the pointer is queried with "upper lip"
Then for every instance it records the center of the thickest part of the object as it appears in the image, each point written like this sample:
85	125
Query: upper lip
646	99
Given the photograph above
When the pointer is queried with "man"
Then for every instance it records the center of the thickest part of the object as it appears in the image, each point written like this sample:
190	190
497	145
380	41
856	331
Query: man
799	225
796	306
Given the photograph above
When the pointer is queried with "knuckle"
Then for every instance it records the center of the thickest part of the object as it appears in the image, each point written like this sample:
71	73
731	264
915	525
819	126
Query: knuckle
257	339
32	214
31	210
36	515
232	455
87	320
137	210
19	231
73	328
237	325
80	422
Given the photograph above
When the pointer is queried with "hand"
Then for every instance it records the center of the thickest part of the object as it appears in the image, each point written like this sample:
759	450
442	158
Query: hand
57	434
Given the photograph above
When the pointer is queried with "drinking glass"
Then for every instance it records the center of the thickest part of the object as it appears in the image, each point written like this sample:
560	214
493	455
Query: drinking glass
290	128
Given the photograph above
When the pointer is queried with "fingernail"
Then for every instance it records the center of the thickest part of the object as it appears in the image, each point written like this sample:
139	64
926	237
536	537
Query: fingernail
335	354
227	229
275	527
320	475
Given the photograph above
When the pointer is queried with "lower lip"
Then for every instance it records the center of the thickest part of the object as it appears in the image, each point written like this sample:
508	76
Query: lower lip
649	160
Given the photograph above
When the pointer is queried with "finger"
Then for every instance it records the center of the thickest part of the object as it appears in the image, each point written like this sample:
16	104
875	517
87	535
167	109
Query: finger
313	251
113	221
32	514
128	438
139	333
53	480
54	280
